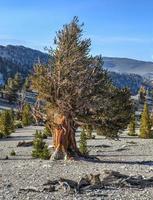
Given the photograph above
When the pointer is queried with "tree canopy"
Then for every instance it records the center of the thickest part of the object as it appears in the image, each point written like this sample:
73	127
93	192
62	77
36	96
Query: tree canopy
75	86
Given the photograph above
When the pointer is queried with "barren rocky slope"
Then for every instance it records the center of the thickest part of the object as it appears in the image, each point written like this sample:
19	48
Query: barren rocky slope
129	155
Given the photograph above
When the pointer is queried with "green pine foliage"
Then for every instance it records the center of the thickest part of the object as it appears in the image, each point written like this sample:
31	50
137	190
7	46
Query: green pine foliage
83	143
6	123
142	94
40	149
13	153
75	85
108	132
26	115
13	86
132	126
145	125
115	114
45	155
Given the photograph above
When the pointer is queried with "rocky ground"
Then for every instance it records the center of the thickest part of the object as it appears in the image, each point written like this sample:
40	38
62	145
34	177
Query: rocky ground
130	155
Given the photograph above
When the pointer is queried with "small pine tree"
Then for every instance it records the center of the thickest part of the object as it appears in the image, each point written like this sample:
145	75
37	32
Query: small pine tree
38	144
83	142
40	149
26	115
13	153
6	123
145	125
18	82
132	126
142	94
11	120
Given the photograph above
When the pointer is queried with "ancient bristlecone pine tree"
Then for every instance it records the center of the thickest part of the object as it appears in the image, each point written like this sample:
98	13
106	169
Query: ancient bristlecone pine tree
73	87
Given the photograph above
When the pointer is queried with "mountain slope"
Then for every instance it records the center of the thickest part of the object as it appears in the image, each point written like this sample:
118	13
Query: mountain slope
131	81
19	58
25	58
126	65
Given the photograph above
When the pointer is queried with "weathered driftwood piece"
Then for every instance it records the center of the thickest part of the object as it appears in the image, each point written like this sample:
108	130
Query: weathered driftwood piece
87	182
30	189
35	189
117	179
25	144
49	182
91	182
83	182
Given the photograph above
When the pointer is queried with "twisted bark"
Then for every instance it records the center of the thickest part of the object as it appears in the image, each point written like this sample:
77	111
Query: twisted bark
63	129
64	139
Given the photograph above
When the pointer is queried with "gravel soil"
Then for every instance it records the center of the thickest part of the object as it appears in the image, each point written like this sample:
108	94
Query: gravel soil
129	155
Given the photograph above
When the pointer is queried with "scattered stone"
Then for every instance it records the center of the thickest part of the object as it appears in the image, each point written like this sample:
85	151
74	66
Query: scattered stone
29	189
123	148
131	142
6	157
25	144
135	164
57	155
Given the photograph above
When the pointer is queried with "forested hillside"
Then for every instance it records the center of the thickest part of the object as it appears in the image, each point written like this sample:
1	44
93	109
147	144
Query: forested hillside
132	81
21	59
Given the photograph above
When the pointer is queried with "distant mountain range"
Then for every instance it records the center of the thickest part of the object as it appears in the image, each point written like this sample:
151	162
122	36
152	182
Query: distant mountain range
19	59
126	65
124	72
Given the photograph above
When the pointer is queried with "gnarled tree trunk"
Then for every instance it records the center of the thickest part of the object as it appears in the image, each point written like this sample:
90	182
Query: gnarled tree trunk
63	129
64	138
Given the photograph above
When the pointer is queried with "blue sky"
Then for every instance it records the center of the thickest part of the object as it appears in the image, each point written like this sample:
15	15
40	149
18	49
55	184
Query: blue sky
122	28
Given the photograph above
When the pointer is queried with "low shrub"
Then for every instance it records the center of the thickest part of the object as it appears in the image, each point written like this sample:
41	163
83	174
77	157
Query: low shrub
40	148
13	153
